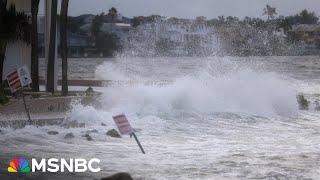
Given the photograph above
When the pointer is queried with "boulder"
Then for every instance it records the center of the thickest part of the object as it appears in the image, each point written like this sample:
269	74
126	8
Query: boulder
119	176
113	133
53	132
317	104
92	131
69	136
303	102
103	124
88	137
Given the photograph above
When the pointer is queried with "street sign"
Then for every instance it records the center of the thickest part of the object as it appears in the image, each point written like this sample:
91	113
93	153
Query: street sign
126	129
123	124
14	81
24	76
19	78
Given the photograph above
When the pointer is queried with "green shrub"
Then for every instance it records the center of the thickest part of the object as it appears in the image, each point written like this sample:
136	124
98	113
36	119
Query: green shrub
3	97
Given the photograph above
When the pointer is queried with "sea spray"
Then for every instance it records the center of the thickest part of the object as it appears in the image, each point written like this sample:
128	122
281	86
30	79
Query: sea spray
217	86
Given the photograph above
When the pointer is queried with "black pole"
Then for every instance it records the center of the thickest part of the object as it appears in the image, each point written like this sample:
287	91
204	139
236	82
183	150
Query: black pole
26	108
52	47
135	137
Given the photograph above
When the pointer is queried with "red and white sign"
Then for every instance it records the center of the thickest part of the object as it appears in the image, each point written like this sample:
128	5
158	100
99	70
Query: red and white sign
14	81
123	124
19	78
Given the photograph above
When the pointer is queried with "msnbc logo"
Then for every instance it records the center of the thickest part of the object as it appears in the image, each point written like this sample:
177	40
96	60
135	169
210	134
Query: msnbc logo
19	165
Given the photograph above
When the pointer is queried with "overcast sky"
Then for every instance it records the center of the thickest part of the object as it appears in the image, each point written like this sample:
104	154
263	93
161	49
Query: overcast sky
193	8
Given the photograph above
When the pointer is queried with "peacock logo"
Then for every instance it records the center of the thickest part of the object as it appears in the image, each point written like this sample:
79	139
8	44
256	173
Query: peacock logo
19	165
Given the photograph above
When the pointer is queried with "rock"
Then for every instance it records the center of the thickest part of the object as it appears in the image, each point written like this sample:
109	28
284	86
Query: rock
113	133
88	137
317	104
92	131
303	102
73	124
53	132
103	124
69	136
89	91
119	176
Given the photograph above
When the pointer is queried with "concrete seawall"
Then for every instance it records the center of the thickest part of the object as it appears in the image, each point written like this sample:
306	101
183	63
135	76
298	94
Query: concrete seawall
44	111
46	105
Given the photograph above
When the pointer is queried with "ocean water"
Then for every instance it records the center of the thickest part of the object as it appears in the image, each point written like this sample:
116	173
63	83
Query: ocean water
197	118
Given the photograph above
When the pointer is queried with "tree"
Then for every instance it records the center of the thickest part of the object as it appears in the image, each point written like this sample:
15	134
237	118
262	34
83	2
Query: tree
14	26
136	21
34	45
308	17
304	17
221	19
113	13
270	12
201	19
52	47
284	24
96	25
64	45
107	43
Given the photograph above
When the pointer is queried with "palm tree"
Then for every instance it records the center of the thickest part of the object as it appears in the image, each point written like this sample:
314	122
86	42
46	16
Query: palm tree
14	26
52	47
64	45
113	13
270	12
34	45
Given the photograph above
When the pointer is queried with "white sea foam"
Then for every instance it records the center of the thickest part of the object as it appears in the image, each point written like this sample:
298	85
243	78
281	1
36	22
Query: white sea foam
210	90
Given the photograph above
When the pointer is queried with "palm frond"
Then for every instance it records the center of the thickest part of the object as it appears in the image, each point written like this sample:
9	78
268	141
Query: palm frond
14	25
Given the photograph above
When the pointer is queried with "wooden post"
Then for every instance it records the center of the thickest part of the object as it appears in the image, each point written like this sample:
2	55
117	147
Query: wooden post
138	142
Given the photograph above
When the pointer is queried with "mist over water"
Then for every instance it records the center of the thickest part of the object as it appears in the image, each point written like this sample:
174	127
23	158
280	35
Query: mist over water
171	37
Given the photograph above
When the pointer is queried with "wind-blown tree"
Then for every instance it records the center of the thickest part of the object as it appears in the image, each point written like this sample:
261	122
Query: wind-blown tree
270	12
34	45
14	26
52	47
64	45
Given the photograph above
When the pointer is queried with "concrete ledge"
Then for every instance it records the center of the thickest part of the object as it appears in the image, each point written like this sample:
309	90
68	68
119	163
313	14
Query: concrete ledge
93	83
107	83
17	124
46	105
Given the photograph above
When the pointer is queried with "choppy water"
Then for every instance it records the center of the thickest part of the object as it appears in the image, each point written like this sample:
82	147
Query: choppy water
214	118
